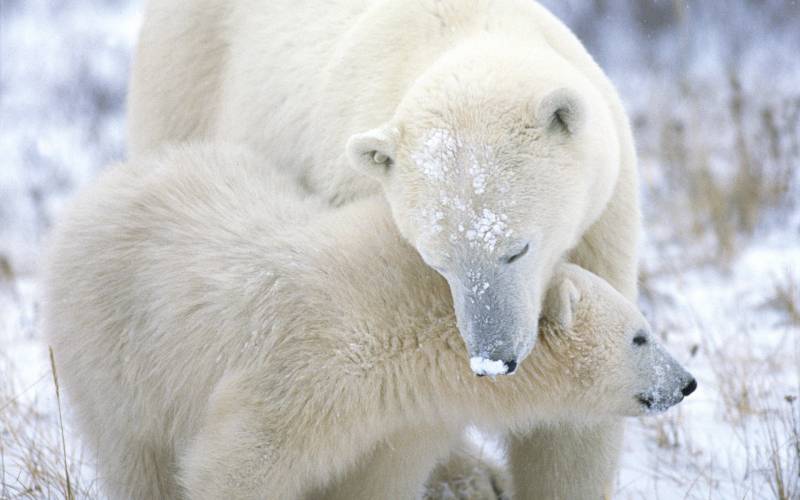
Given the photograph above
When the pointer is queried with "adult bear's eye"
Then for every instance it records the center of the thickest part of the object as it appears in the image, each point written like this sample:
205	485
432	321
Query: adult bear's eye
379	157
519	254
640	338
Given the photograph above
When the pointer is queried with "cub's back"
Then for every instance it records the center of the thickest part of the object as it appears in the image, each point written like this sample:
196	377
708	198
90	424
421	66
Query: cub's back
152	272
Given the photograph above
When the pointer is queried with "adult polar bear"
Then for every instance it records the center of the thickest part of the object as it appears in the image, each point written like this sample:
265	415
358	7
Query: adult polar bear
477	118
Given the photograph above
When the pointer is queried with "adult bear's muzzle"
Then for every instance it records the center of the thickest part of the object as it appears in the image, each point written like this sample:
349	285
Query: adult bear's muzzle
498	320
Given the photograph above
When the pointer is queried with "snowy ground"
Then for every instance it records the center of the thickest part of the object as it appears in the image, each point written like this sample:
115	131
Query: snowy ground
713	89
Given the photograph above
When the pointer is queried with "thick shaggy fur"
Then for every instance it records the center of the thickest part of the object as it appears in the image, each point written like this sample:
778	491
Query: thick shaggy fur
298	80
222	336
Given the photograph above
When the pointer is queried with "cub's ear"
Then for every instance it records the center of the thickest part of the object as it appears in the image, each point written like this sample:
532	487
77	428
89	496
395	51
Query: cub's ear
372	153
561	110
561	302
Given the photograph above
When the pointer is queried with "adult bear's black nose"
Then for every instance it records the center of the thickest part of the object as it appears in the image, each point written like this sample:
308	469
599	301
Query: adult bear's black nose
511	366
689	388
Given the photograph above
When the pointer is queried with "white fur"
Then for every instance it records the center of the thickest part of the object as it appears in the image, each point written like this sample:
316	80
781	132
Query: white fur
223	336
297	80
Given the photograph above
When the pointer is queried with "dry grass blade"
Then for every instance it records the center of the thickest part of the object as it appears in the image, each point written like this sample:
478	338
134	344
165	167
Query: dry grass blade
786	298
69	494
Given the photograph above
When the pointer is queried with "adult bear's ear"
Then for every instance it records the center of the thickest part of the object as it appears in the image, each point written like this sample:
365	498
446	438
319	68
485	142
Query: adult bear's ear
372	153
561	303
561	110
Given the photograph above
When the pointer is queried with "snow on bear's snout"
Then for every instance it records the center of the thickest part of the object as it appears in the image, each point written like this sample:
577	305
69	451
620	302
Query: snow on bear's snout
668	382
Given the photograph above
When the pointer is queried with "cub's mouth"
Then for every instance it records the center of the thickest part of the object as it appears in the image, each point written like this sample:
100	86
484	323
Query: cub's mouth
653	405
645	401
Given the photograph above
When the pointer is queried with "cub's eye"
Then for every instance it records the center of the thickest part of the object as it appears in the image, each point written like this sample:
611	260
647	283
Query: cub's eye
640	339
517	255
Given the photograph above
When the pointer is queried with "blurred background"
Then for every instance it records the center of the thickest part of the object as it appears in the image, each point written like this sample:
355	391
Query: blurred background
712	88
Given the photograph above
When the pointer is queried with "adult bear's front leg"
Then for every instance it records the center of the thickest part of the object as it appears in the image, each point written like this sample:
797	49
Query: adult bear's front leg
397	468
566	461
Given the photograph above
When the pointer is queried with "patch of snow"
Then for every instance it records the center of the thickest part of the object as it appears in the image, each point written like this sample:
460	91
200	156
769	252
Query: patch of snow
483	366
438	151
486	228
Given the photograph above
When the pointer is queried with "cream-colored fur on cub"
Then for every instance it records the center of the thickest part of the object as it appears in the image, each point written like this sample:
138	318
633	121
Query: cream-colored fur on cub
221	335
487	125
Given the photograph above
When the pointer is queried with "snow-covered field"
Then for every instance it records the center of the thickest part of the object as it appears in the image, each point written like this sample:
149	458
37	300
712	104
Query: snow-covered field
713	89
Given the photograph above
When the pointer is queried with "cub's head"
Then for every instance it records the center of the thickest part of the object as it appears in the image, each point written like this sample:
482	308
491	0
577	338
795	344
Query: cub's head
494	166
608	357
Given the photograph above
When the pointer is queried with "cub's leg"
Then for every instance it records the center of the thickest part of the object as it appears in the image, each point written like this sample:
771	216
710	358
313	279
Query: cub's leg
238	452
139	470
262	439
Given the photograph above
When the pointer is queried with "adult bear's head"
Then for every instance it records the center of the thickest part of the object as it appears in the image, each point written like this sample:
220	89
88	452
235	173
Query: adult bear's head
494	166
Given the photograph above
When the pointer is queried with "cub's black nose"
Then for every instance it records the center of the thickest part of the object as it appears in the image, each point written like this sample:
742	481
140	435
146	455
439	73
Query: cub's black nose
689	388
511	366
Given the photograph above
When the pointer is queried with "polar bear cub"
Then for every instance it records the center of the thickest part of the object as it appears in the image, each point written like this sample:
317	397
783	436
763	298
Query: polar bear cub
221	335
